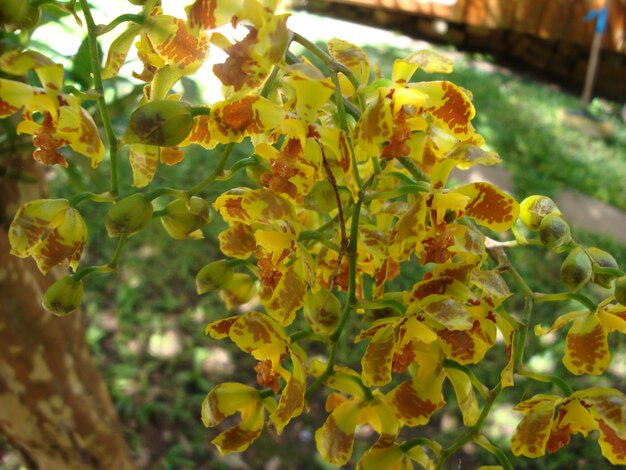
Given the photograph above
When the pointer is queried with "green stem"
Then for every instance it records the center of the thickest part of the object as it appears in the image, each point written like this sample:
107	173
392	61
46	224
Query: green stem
269	83
415	170
328	61
103	29
343	122
78	198
158	192
559	382
500	455
394	193
307	334
421	441
81	273
478	385
94	55
200	111
118	252
219	169
352	259
474	431
522	333
580	298
307	235
380	304
329	370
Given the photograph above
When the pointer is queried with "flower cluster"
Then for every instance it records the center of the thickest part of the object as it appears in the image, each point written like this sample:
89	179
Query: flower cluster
348	184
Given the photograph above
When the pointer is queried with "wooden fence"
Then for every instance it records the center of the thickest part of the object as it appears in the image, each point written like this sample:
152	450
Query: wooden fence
549	35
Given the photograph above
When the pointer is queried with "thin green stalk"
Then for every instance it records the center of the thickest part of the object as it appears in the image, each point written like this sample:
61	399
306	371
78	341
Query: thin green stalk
329	370
307	334
328	61
473	432
580	298
559	382
94	55
352	259
400	191
270	82
158	192
522	333
200	111
500	455
118	251
421	441
415	170
478	385
219	169
78	198
128	17
307	235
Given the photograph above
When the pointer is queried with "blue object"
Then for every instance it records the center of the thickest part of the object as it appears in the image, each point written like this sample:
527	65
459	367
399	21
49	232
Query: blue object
602	16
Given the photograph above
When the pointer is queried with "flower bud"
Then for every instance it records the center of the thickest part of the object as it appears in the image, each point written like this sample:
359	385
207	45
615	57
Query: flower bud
165	123
534	208
128	216
322	311
620	290
576	270
602	259
64	296
214	276
555	233
18	14
183	220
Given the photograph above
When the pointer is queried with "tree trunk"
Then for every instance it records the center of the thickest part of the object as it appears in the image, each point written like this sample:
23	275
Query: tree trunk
55	409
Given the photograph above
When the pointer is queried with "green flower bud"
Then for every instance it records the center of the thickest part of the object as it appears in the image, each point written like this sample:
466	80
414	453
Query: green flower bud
164	123
183	220
620	290
18	14
602	259
555	233
128	216
322	311
533	209
214	276
576	270
64	296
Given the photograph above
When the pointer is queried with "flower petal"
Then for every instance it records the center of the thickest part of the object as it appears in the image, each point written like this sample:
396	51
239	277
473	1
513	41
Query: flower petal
533	431
143	160
587	348
489	206
64	243
414	401
32	220
336	437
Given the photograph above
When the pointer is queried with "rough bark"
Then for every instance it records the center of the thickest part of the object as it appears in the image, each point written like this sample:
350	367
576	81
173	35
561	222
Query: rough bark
55	409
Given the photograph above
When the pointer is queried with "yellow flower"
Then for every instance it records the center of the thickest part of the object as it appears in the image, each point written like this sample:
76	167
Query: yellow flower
227	399
165	40
257	334
586	347
49	231
550	420
63	121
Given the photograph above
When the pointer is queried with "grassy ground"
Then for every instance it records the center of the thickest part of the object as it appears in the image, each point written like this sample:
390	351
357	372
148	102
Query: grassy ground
146	326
